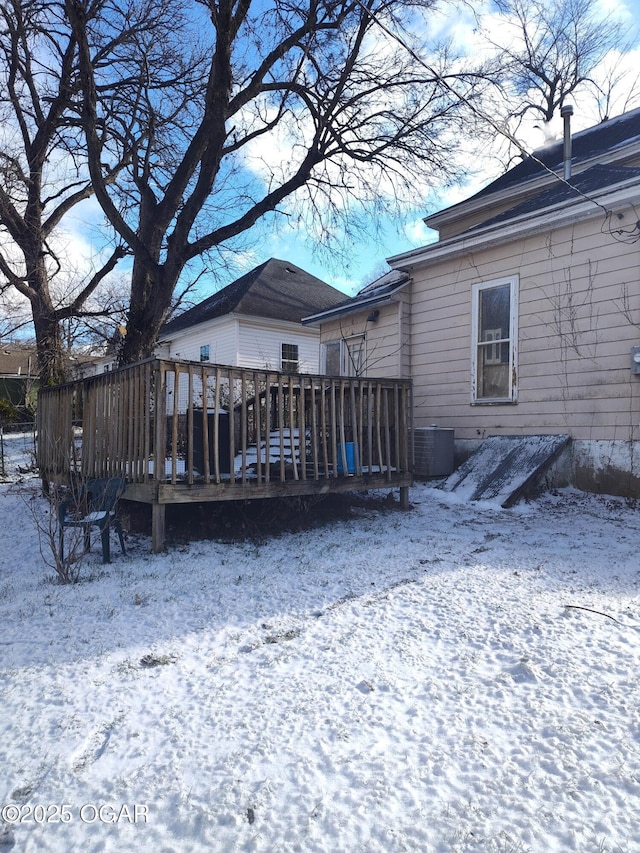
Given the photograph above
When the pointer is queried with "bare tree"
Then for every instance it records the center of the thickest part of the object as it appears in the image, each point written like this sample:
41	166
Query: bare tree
617	88
302	108
43	174
550	50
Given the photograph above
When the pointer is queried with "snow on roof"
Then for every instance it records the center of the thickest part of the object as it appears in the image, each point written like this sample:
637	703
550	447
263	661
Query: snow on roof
586	145
375	293
577	188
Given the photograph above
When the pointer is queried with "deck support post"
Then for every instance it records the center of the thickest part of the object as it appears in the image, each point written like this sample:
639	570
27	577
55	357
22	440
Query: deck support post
157	527
404	497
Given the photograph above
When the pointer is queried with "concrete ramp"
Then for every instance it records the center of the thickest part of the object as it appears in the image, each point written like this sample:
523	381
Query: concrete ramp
505	466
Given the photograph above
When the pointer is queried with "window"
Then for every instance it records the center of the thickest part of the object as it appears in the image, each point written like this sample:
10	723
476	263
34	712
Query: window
345	357
332	361
204	352
494	331
353	356
289	358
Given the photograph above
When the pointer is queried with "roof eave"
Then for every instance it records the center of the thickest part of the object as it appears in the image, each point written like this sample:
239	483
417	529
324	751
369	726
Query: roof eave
350	308
502	232
468	206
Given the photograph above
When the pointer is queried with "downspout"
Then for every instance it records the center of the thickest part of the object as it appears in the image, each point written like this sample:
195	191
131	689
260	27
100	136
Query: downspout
566	112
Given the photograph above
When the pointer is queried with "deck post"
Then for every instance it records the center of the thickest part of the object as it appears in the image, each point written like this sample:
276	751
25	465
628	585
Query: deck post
404	497
157	527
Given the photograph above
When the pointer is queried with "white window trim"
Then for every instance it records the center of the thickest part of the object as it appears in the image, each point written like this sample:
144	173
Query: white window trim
345	356
346	366
282	360
513	282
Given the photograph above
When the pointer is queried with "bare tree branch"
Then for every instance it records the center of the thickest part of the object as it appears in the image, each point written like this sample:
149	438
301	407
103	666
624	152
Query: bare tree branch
41	164
296	102
549	51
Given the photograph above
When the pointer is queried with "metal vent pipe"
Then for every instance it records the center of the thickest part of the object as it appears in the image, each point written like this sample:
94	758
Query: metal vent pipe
566	112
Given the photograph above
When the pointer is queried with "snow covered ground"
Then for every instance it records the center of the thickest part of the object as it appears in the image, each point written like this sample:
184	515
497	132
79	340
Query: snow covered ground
435	680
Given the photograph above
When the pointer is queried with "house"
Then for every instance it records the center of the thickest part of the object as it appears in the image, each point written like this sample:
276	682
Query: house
369	334
181	430
254	322
524	316
18	381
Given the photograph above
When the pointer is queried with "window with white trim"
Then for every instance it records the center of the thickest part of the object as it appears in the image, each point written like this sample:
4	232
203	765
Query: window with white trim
494	341
289	358
205	352
353	356
346	357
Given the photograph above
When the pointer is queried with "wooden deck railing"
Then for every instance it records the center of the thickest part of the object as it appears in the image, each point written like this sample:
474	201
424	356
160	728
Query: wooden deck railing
187	423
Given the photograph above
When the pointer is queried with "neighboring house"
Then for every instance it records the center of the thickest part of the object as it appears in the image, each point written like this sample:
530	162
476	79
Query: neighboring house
525	314
254	322
18	380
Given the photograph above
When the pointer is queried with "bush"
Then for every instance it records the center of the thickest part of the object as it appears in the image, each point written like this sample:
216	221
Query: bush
8	412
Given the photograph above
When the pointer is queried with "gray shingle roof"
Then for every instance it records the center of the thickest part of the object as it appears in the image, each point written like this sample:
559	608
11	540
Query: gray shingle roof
586	145
276	289
18	360
375	293
578	187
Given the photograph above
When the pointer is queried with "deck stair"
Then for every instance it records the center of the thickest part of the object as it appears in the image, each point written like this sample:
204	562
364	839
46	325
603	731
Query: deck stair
282	444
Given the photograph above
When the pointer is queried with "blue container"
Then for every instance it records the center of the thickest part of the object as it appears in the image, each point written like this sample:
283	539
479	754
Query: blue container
350	453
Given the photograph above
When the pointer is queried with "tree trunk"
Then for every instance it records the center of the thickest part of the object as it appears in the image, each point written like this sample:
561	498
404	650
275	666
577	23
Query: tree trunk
51	360
49	345
150	301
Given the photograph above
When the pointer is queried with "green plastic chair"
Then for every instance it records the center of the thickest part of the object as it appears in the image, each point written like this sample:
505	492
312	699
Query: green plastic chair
95	506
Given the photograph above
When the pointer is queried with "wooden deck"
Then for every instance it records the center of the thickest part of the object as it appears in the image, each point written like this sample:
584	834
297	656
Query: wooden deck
179	431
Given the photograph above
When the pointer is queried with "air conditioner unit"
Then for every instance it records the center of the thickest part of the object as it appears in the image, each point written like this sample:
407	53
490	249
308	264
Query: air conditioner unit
432	452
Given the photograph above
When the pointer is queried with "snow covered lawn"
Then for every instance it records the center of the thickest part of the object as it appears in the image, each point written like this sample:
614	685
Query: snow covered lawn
419	681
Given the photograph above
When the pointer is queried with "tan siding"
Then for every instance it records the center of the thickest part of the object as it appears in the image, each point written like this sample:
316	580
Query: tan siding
343	327
384	357
404	321
575	336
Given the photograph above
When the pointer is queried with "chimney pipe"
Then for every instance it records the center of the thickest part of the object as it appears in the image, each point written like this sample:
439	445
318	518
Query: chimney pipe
566	112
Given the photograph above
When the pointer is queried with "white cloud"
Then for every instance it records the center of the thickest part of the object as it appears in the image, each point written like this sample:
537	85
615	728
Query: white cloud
418	234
